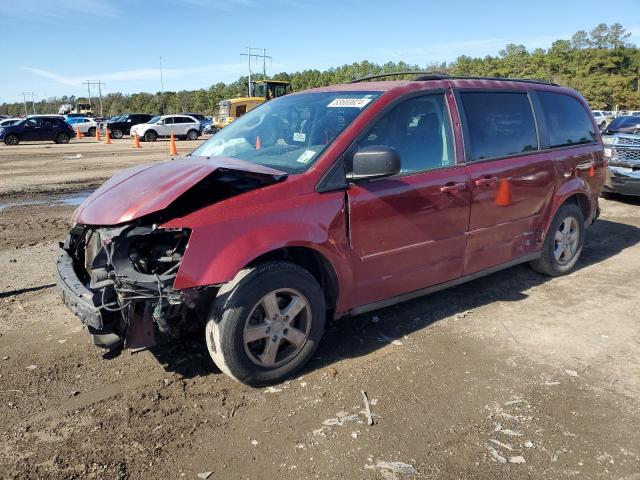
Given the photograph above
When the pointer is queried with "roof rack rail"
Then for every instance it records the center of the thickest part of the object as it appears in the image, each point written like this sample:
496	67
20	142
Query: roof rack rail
421	74
505	79
426	76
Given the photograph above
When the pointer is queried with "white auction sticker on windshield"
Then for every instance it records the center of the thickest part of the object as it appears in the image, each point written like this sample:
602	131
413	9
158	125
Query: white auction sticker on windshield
349	102
299	137
306	156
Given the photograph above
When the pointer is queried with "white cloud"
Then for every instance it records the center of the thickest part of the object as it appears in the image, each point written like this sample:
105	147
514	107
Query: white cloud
152	74
63	12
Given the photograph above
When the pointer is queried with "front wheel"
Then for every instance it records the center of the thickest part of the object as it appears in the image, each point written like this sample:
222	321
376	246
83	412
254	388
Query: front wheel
11	139
116	133
266	323
562	246
91	132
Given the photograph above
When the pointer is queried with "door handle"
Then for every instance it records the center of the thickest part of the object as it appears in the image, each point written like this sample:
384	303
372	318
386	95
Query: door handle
453	188
585	165
486	182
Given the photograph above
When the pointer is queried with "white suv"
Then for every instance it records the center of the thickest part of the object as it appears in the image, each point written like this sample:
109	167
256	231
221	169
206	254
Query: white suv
602	118
182	126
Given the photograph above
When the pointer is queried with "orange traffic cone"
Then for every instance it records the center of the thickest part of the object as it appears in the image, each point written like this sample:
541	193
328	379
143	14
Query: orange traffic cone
78	134
136	141
592	171
97	134
258	143
503	198
107	137
173	150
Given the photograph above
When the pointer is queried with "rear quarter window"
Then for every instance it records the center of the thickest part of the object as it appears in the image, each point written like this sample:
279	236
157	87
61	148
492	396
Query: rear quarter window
567	121
498	124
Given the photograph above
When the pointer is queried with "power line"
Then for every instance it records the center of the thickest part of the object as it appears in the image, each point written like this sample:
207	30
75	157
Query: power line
250	55
99	84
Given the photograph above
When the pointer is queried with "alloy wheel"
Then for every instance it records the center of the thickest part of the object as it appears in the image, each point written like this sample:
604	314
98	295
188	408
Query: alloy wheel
277	328
566	240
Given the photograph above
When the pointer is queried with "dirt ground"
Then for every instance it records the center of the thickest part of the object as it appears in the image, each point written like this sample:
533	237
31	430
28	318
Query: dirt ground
511	376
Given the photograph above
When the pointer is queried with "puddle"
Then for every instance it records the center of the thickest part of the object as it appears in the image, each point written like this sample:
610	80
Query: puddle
70	199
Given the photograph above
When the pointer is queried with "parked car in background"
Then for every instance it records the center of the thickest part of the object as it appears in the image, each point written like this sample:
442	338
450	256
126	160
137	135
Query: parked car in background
332	202
75	115
37	128
602	118
622	150
86	125
204	120
210	128
9	121
182	126
122	125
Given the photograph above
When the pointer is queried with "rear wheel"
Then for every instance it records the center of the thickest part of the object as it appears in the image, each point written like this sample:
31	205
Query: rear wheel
91	132
150	136
62	138
11	139
563	244
116	133
266	323
192	135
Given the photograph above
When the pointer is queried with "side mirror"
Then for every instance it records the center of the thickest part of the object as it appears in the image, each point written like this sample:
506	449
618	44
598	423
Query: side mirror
376	161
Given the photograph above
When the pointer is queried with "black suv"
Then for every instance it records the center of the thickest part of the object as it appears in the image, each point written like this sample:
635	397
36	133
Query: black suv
37	129
122	125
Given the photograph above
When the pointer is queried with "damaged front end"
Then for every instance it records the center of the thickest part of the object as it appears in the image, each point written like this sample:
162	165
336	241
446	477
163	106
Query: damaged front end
118	278
119	281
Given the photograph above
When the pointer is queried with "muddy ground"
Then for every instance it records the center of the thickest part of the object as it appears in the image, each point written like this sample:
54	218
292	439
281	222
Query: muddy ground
511	376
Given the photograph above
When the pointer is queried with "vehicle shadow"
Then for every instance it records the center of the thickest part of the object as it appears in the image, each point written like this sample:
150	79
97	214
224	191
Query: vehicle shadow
357	336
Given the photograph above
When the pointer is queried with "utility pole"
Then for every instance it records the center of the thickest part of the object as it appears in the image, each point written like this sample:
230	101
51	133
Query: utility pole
161	90
99	84
249	55
24	98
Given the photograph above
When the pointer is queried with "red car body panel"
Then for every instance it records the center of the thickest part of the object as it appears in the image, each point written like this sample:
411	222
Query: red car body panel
382	238
509	198
407	233
139	191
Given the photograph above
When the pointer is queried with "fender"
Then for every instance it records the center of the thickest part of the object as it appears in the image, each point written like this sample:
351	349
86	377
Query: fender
576	185
218	251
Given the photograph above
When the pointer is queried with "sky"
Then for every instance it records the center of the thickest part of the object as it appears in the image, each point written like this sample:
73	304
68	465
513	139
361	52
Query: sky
50	47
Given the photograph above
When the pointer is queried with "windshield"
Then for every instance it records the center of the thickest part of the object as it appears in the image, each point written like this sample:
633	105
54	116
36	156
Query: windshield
624	125
288	133
155	119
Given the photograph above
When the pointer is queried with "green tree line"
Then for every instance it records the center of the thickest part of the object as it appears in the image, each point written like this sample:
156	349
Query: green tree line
601	64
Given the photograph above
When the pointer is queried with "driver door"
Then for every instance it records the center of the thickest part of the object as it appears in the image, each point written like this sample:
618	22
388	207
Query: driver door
34	130
409	231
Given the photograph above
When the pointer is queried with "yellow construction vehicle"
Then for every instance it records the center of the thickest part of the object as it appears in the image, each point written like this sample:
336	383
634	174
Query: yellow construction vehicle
260	92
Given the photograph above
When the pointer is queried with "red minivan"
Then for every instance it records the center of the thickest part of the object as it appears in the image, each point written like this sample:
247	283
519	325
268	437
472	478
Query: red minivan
334	201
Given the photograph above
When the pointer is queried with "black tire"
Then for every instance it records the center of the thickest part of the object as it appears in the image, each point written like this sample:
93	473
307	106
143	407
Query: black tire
603	125
11	139
235	308
91	132
62	138
548	263
608	194
192	135
116	133
150	136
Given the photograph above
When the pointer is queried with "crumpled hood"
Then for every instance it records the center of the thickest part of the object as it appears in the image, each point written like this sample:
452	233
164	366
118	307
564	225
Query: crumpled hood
139	191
